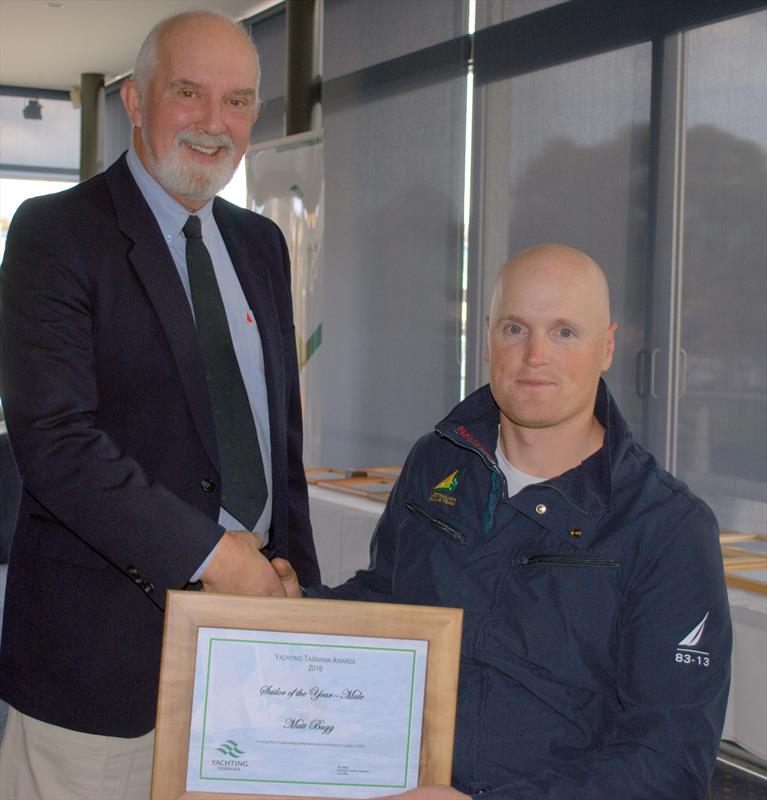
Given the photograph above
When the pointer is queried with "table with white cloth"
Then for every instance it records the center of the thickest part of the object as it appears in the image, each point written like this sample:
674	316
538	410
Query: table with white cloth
342	525
746	720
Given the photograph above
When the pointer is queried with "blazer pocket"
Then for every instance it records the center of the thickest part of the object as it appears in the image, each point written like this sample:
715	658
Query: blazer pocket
56	542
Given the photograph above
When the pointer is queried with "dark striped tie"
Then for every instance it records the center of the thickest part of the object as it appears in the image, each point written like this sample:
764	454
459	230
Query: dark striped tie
243	489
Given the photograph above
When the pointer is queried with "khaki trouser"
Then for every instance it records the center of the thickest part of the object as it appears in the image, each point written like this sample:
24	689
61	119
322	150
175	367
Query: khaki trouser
39	761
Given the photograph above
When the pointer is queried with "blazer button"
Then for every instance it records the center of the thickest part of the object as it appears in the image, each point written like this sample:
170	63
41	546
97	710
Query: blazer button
132	572
207	485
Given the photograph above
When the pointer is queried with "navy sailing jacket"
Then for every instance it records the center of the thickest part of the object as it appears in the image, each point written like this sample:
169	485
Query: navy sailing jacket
596	649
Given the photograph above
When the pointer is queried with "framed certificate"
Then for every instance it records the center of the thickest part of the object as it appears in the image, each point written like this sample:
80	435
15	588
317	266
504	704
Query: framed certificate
279	698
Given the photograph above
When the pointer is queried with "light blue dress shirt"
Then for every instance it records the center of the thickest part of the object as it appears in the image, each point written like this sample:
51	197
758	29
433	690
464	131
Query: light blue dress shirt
171	217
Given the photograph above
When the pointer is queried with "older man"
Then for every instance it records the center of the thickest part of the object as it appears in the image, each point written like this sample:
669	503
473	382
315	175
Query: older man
595	659
152	399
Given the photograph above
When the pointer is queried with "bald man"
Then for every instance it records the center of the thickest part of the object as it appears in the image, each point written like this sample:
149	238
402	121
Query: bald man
150	370
596	648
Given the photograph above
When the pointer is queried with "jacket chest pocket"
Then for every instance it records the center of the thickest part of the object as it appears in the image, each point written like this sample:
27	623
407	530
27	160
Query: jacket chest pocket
569	560
436	523
562	608
564	582
429	558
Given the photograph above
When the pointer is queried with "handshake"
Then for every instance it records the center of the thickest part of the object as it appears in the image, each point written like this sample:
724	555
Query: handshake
239	567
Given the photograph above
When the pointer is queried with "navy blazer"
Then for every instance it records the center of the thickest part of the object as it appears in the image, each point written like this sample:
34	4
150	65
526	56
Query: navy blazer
110	421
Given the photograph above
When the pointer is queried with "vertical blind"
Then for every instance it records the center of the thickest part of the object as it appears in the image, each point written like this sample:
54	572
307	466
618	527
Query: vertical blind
394	148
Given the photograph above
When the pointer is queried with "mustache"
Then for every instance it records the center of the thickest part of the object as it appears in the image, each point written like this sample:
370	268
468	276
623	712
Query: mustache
204	139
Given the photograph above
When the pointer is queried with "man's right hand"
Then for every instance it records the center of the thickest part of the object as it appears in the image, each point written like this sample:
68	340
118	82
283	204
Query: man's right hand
239	567
288	577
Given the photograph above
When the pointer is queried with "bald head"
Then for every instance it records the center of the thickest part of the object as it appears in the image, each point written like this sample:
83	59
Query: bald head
166	30
560	271
549	338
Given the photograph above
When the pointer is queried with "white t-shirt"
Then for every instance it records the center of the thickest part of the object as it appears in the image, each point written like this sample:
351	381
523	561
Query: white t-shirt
516	480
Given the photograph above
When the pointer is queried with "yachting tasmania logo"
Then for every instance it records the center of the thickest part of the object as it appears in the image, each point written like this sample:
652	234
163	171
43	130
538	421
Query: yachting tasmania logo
231	748
685	650
443	492
233	761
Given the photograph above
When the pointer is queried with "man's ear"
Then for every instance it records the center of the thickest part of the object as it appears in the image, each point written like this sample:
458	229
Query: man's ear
609	346
131	101
486	350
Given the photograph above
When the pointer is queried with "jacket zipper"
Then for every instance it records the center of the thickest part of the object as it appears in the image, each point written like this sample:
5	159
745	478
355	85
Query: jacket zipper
495	492
438	523
488	520
578	561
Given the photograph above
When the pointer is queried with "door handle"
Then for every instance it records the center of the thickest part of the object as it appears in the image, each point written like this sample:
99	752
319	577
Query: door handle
653	358
682	372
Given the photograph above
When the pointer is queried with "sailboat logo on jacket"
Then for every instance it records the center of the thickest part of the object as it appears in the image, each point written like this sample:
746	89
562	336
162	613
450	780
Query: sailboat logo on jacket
687	651
694	636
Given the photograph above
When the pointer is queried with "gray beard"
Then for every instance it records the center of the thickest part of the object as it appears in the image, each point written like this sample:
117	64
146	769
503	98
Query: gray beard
179	177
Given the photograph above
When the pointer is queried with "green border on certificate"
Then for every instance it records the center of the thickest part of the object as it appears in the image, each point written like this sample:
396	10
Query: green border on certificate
345	699
275	685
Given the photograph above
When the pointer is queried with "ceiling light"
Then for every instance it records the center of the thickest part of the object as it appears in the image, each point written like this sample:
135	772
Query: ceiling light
32	110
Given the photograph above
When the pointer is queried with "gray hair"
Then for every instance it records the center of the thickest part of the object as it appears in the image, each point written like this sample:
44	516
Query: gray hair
146	60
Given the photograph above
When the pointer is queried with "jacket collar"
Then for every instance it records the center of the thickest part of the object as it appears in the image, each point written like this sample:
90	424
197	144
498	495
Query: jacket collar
587	488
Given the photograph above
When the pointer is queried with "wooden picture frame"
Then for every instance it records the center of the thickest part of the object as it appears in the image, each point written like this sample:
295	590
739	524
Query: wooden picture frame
324	474
372	488
385	472
188	611
745	560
